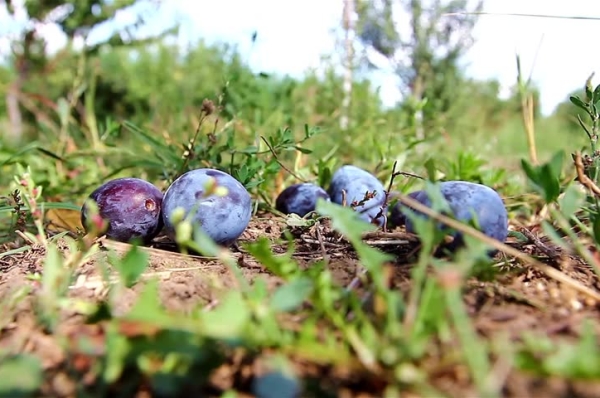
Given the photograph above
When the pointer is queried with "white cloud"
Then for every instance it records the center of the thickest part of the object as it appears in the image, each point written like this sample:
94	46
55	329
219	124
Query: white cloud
292	37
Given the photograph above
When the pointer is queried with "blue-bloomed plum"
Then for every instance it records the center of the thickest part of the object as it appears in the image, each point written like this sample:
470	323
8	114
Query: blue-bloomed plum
397	217
372	215
223	217
131	207
356	182
466	199
276	384
300	199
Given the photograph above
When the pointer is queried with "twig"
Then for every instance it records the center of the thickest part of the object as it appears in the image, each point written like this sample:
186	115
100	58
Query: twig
583	179
512	14
321	243
549	251
388	192
278	161
355	282
390	235
457	225
386	242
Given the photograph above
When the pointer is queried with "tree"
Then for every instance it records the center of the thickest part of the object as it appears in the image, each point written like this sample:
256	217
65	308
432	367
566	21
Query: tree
425	56
77	19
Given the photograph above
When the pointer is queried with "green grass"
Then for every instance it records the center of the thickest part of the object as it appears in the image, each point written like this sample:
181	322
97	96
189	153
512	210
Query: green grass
394	340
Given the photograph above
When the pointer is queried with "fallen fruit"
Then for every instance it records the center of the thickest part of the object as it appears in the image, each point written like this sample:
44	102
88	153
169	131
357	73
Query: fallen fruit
465	199
300	199
362	189
131	206
222	216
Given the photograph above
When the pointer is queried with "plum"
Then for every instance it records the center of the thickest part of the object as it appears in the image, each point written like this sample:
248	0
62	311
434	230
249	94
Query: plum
222	217
131	207
356	182
300	199
397	217
275	384
464	198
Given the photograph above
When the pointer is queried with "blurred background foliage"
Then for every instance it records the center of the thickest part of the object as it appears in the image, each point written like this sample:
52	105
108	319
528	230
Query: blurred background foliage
73	103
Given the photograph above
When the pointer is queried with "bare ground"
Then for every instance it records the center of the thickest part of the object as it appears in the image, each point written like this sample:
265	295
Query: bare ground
522	300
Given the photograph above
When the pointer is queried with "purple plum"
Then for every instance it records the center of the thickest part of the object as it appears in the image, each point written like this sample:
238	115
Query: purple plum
132	208
300	199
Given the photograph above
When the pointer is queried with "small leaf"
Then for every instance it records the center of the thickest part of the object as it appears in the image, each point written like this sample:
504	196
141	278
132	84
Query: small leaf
148	306
229	319
344	219
550	232
596	95
431	169
131	266
303	150
20	376
294	220
118	348
556	163
291	295
579	103
282	266
571	201
596	227
545	179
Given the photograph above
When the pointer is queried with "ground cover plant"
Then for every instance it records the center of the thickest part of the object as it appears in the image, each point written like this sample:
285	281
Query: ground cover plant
308	283
321	305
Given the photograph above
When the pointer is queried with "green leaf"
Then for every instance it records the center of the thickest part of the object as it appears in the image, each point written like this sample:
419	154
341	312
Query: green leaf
550	232
344	219
596	95
305	151
431	169
20	376
291	295
571	201
579	360
50	154
148	306
118	348
596	227
131	266
229	319
578	102
324	173
545	178
282	266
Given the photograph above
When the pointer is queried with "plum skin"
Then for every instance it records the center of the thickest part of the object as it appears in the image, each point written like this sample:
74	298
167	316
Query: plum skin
131	206
356	182
223	218
464	198
300	199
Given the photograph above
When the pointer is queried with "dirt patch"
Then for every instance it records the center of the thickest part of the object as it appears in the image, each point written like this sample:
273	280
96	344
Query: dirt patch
518	302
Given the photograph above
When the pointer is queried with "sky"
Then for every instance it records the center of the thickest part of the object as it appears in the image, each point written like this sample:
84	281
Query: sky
292	36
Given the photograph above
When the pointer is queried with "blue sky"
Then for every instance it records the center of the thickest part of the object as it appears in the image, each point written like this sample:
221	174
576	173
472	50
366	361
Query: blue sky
294	35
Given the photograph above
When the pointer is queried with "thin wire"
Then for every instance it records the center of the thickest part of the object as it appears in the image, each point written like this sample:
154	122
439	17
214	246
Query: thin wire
522	15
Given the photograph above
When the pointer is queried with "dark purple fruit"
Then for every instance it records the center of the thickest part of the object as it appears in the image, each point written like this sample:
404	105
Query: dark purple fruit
300	199
132	208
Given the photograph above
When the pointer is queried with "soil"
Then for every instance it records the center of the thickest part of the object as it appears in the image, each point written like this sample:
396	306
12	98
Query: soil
522	300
